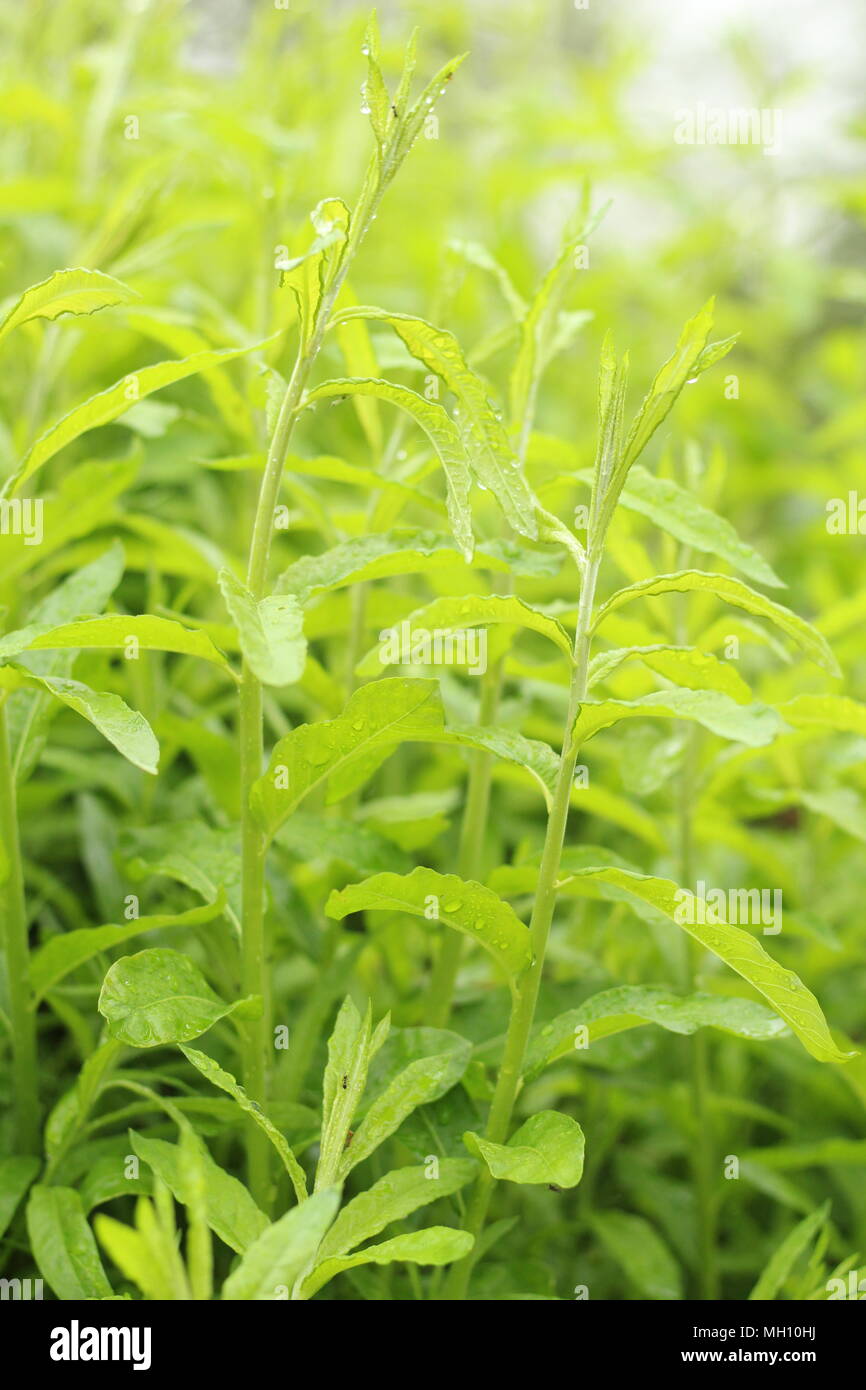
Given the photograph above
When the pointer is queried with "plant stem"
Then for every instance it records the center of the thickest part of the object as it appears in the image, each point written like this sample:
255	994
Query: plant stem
254	956
701	1146
472	829
526	994
697	1046
22	1018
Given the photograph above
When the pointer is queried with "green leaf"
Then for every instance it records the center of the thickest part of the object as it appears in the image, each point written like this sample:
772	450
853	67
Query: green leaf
404	552
455	615
824	712
67	292
347	749
842	805
126	729
547	1148
733	591
390	1199
411	122
16	1175
783	990
484	436
204	858
214	1073
640	1253
140	1252
438	1245
63	1244
536	757
271	631
467	907
159	996
113	631
678	512
351	1046
312	837
231	1212
440	430
754	725
65	952
785	1257
424	1080
113	402
478	255
374	92
281	1253
634	1006
541	330
697	670
686	362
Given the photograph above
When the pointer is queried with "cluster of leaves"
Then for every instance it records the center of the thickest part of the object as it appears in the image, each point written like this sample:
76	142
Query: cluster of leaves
494	862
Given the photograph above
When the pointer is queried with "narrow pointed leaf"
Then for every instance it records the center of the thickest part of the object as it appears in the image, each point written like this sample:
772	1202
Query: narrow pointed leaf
63	1244
272	1264
67	951
783	990
754	725
231	1212
393	1197
123	727
75	291
214	1073
484	436
114	632
108	405
733	591
640	1252
439	429
467	907
455	615
437	1245
347	749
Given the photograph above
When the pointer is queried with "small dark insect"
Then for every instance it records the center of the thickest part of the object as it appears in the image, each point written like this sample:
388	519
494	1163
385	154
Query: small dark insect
345	1080
349	1138
394	111
552	1187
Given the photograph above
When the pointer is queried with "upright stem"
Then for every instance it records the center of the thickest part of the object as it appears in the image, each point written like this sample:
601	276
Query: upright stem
258	1035
472	829
697	1047
22	1019
526	994
701	1158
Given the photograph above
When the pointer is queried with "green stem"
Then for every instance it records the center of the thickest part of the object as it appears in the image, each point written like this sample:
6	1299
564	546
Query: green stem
258	1034
697	1046
701	1146
22	1019
526	993
472	829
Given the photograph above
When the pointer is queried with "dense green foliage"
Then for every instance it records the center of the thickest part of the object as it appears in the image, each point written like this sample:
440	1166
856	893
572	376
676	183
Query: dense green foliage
395	649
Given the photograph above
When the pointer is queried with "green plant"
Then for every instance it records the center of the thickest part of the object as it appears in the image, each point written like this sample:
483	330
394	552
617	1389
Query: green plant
503	861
